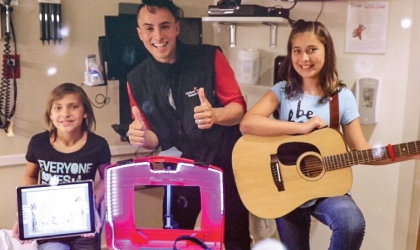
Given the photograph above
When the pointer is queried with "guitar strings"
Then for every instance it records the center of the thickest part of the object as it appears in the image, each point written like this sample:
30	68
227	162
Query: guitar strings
313	166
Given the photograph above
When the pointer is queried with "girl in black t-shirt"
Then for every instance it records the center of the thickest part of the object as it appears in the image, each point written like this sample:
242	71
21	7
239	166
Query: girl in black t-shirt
69	151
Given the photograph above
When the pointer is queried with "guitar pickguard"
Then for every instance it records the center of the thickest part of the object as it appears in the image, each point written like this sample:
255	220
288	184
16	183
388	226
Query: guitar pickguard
289	152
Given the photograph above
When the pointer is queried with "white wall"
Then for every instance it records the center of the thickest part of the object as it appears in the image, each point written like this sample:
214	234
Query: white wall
85	19
387	195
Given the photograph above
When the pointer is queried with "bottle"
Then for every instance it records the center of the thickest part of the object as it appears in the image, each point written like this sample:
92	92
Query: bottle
93	74
248	66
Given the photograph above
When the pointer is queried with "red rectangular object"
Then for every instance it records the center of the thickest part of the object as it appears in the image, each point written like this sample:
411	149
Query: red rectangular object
120	182
16	64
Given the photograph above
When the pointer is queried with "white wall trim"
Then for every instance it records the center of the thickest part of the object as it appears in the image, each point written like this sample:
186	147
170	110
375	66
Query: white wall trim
19	159
11	160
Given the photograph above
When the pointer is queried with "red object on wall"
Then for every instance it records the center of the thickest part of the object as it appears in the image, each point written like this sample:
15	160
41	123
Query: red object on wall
14	62
120	182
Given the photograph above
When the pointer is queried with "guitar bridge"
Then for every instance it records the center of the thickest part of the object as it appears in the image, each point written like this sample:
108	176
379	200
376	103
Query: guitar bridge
275	172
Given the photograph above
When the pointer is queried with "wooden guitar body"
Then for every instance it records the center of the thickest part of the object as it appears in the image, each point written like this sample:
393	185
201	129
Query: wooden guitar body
275	175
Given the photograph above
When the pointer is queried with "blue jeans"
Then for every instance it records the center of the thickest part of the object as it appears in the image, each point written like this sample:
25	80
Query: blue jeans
73	243
339	213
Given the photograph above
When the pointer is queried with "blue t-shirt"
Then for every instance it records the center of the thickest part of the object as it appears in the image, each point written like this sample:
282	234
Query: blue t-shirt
306	107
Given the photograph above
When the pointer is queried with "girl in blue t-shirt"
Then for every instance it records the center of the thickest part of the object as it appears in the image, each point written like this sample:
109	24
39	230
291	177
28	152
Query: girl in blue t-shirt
67	152
301	99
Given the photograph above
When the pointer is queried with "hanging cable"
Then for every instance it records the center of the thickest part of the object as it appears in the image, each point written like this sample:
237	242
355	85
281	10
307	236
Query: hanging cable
320	12
9	69
294	4
100	99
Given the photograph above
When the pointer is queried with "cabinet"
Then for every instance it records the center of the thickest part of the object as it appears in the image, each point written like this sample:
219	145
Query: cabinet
233	21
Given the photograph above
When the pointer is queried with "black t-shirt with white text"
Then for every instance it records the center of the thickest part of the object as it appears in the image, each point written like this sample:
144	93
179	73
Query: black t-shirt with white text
68	167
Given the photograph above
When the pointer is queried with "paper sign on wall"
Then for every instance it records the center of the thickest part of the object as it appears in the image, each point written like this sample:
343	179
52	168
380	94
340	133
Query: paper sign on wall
367	24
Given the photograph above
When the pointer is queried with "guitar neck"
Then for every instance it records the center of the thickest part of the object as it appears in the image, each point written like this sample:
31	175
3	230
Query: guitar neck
352	158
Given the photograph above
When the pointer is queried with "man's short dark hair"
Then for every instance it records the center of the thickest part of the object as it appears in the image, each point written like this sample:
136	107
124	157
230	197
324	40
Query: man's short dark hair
165	4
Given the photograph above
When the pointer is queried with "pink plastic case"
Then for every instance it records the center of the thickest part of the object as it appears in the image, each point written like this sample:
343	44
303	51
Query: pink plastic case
120	182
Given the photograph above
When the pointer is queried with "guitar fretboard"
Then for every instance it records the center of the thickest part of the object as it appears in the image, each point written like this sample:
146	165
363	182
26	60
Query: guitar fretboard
351	158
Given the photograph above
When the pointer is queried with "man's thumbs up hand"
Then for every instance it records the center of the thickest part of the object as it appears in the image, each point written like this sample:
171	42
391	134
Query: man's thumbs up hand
136	114
137	129
203	114
202	96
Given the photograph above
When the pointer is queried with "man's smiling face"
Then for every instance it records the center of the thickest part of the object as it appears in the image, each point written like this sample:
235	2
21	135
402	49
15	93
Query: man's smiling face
158	30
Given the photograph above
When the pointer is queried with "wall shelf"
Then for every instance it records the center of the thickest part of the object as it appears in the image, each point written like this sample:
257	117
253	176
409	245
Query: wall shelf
233	21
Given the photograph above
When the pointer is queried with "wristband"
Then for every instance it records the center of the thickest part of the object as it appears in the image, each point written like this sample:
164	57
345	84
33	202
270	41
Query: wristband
391	152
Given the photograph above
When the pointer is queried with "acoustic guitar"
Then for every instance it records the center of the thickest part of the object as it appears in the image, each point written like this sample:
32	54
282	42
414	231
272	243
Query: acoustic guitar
275	175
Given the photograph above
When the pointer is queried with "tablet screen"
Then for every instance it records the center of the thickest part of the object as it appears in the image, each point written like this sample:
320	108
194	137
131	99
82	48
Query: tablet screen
63	210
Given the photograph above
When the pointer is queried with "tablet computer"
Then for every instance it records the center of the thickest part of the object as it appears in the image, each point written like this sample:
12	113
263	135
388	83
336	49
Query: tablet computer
63	210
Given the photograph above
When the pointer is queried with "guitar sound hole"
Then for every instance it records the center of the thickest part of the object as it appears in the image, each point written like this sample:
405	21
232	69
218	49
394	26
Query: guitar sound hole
311	166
